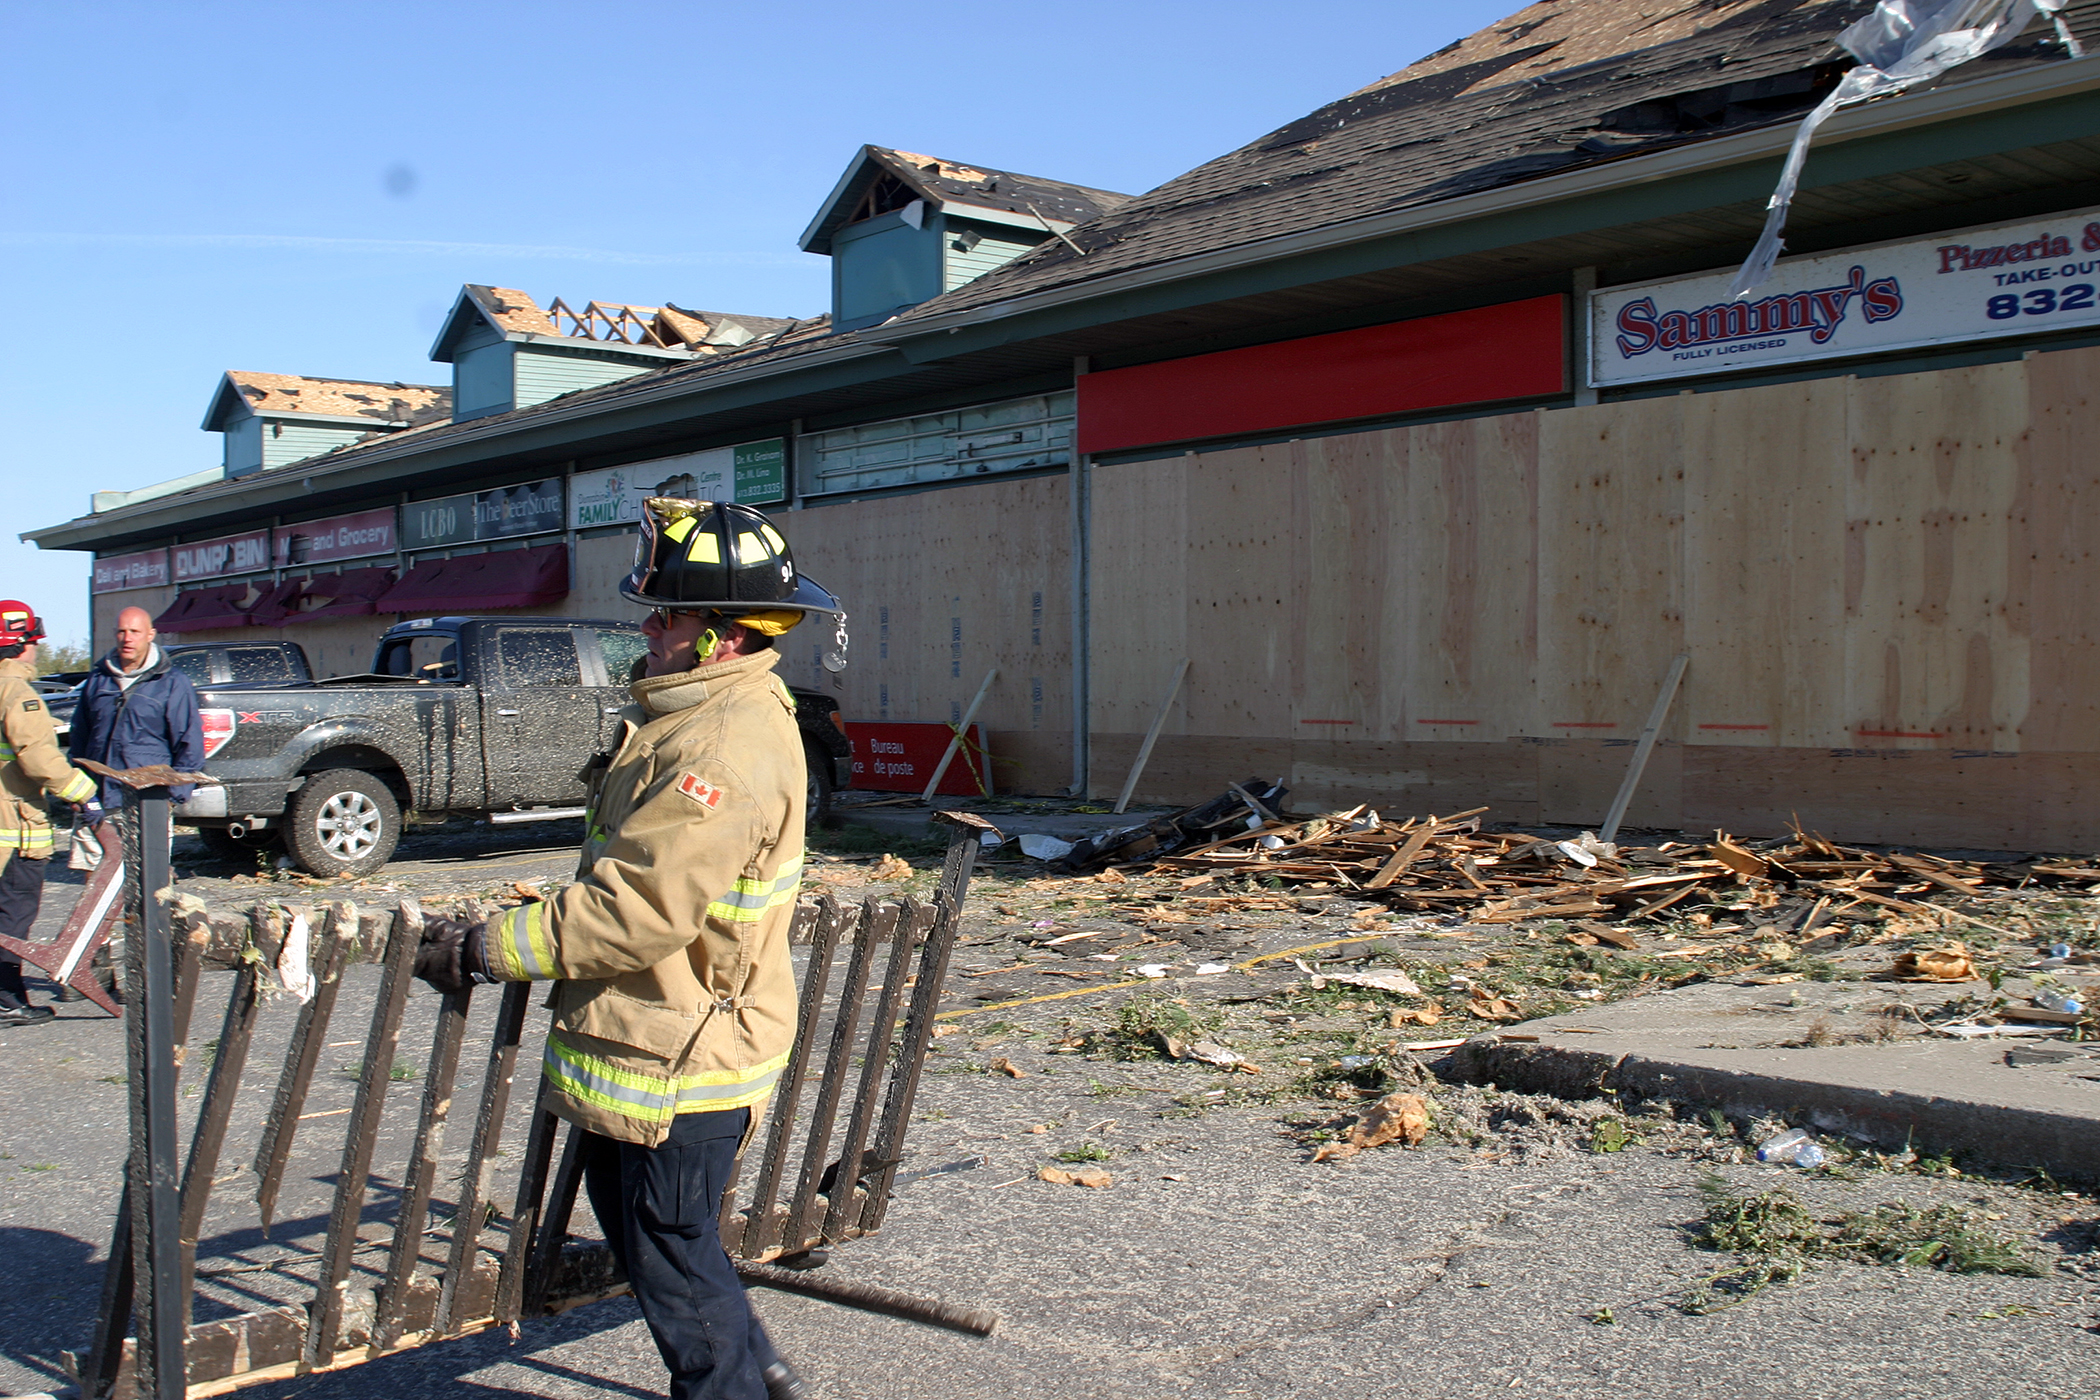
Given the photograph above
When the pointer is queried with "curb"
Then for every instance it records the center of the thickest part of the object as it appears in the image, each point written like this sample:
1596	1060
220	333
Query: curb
2065	1145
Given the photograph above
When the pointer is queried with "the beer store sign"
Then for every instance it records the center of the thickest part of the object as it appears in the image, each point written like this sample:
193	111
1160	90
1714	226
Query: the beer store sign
2011	279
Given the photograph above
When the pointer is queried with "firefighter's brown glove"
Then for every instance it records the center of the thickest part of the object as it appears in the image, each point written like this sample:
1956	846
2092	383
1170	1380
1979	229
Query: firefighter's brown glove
451	957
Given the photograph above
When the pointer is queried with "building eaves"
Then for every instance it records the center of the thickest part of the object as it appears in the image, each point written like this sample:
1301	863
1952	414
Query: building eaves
800	344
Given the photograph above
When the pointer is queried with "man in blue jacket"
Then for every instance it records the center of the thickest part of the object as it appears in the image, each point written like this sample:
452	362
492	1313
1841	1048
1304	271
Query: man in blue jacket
136	708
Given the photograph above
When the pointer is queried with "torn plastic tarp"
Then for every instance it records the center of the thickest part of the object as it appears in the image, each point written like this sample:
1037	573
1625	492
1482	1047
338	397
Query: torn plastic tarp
1900	44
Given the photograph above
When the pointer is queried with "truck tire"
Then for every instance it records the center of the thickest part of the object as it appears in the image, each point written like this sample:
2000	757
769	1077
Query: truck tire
342	822
817	812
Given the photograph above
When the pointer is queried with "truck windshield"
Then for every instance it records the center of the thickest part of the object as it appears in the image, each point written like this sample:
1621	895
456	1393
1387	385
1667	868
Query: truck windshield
258	665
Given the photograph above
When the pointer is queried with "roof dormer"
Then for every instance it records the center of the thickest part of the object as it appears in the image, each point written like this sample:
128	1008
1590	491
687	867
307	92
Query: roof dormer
902	228
508	352
273	420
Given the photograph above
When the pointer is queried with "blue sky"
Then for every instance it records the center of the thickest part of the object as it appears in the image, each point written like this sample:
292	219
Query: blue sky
301	188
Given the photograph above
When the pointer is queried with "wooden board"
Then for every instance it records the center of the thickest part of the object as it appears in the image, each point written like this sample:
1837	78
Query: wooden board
2053	581
1347	493
1464	652
1611	566
1764	543
1931	654
942	586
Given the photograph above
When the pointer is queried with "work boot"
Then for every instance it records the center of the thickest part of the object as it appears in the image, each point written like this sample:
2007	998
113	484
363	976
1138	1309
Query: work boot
782	1383
27	1015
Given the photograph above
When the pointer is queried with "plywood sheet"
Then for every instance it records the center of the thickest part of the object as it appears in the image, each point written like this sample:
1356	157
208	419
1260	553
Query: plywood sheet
1578	778
1350	600
1611	581
942	586
1932	652
1241	576
2053	584
1764	533
1461	646
1413	779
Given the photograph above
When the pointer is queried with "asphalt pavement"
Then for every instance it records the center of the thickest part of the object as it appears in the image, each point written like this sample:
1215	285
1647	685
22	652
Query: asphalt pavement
1502	1256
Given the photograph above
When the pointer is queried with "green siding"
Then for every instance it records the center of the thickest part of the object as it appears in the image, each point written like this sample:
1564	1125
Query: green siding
995	246
543	374
286	443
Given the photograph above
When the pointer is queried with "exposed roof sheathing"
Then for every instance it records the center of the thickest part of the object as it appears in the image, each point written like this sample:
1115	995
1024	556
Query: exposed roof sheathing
268	395
1553	88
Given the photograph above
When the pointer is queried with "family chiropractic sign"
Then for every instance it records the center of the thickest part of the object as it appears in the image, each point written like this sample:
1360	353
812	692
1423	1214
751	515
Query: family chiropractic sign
2013	279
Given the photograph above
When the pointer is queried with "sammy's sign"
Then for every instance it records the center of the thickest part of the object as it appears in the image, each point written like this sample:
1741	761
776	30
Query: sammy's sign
2013	279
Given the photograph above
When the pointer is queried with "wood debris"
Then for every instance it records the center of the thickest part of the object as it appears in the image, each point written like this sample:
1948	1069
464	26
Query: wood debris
1450	865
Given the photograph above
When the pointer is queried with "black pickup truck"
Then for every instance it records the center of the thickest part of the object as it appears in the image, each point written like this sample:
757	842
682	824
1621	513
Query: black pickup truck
492	717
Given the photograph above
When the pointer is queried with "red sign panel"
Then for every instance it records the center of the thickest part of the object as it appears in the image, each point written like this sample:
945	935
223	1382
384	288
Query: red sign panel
337	538
901	757
232	554
146	569
1512	351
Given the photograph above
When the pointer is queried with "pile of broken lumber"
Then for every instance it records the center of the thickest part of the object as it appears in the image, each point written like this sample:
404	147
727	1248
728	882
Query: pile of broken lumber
1449	864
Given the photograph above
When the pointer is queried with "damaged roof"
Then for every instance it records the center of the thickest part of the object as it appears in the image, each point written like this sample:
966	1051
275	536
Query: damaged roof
514	315
948	184
1552	88
242	392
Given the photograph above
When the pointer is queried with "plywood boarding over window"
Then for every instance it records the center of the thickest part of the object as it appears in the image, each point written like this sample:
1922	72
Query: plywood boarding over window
1847	562
1932	653
2053	590
1611	565
960	581
1764	543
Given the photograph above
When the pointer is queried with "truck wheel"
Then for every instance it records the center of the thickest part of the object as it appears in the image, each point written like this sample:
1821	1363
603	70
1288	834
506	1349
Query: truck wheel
817	811
342	822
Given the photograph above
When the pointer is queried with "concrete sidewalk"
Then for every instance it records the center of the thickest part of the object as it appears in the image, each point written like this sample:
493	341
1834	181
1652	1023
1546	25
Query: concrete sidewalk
1814	1054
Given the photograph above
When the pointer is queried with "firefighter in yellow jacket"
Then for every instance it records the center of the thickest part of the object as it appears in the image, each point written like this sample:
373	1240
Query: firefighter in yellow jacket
31	766
674	1003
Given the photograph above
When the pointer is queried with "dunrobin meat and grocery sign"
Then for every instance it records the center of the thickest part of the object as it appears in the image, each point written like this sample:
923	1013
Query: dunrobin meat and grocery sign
2014	279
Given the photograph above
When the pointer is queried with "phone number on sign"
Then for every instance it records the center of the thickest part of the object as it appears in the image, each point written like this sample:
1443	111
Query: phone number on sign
2042	301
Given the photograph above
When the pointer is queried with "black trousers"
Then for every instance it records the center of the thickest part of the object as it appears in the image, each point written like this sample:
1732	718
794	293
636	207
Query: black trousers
657	1207
21	892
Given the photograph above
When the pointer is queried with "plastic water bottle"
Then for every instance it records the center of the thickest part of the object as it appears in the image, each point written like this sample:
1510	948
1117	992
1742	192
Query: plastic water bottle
1791	1148
2056	999
2060	950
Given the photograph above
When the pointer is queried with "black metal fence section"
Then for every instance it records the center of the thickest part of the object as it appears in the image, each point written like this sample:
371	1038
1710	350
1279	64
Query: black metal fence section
838	1125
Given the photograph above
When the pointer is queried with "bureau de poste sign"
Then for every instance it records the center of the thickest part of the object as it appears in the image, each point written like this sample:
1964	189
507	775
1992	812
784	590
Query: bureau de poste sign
2009	279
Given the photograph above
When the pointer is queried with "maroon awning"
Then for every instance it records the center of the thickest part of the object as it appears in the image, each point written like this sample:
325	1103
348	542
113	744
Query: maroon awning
277	603
202	609
508	578
351	593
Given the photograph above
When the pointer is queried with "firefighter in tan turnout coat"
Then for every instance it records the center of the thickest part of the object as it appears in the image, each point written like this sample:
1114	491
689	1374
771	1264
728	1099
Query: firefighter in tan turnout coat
674	1003
31	766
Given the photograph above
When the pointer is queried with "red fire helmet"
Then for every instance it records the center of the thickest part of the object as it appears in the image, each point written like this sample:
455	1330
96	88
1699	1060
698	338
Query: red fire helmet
18	623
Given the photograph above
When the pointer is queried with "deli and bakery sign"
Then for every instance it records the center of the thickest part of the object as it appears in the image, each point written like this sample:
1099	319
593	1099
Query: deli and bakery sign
146	569
2009	279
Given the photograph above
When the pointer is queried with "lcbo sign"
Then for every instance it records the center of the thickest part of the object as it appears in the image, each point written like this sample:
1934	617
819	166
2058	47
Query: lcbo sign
2014	279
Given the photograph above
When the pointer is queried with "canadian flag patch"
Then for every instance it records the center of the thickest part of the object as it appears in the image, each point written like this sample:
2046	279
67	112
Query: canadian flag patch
706	794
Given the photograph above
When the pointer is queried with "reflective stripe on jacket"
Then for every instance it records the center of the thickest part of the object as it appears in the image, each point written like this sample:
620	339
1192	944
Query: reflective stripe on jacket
675	993
31	764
